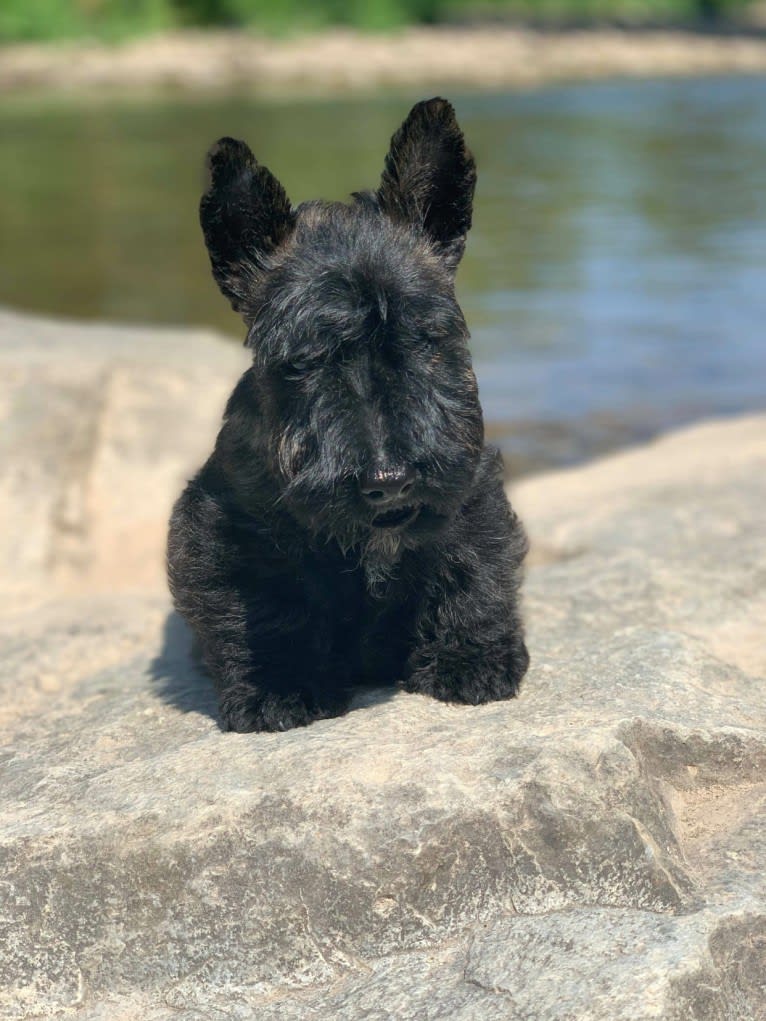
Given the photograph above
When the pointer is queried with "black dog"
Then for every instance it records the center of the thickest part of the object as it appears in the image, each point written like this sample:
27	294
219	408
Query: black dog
350	526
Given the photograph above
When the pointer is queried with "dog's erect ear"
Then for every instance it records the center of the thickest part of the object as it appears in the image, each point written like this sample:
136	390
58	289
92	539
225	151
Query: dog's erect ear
430	176
245	215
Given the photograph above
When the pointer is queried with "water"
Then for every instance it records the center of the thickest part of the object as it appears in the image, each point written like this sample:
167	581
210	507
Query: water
615	280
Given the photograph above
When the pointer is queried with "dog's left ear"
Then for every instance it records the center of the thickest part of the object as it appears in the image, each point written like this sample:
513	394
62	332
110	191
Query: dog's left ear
245	216
430	176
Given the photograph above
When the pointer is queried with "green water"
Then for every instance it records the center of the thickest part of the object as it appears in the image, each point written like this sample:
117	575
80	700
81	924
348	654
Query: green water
615	278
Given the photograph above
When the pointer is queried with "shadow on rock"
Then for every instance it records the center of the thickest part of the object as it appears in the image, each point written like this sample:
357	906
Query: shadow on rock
178	673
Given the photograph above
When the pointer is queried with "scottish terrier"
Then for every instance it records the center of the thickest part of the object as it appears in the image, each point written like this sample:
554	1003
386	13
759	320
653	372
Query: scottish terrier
350	526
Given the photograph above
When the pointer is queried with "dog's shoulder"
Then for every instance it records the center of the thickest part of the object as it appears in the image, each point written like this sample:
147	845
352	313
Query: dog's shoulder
486	520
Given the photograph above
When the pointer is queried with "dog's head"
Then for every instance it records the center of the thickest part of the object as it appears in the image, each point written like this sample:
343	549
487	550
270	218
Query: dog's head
362	405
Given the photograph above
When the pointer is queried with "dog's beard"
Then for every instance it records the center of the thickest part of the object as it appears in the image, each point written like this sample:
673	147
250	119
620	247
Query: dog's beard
331	516
379	559
376	551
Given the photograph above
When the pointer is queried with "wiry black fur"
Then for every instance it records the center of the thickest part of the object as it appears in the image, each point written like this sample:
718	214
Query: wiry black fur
361	372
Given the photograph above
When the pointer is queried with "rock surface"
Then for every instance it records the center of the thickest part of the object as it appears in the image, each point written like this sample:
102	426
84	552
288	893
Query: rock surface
592	851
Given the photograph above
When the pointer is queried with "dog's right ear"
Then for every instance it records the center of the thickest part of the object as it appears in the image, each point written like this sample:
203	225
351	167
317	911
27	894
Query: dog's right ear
245	216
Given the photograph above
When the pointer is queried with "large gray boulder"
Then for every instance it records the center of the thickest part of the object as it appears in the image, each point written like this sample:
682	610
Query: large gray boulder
594	849
101	425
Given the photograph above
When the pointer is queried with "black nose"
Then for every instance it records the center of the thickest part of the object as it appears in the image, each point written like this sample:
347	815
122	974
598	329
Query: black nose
381	486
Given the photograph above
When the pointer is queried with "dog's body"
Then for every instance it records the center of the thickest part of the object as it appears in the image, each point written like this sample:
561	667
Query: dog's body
350	526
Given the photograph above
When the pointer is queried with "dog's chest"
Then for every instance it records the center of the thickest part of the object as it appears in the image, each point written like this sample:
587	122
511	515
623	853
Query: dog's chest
370	633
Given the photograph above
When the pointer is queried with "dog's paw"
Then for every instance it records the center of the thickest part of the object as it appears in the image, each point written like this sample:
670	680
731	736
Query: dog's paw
246	710
470	680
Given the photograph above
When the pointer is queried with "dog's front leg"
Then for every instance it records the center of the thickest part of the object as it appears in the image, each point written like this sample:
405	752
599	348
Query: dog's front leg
266	660
267	650
469	638
279	691
470	661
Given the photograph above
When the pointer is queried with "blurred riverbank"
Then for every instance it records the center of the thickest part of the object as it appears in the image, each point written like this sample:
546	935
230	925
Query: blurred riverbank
339	60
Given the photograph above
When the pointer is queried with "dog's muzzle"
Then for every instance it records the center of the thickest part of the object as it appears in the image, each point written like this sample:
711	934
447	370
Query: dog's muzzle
397	517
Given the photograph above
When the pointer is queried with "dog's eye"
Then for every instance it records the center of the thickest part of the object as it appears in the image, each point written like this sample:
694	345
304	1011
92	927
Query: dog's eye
298	367
429	341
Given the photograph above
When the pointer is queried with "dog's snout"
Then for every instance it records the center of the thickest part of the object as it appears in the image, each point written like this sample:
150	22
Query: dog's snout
381	486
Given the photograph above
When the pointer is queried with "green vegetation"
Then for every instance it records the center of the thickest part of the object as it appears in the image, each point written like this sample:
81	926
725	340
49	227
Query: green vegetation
113	19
